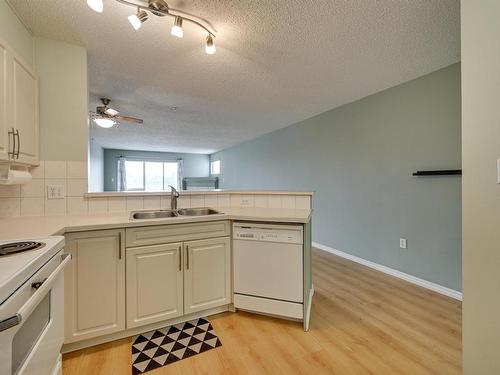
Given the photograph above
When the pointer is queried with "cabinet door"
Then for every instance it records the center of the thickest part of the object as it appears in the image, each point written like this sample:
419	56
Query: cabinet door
25	110
207	274
94	284
154	284
5	139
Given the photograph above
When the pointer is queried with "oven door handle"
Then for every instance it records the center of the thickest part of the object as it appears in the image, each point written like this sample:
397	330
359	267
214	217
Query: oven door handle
40	293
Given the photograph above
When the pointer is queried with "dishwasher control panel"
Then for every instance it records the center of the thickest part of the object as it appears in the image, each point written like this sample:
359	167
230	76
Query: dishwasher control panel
268	233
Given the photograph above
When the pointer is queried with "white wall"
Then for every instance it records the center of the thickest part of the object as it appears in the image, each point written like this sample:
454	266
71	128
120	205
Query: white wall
15	33
481	192
62	71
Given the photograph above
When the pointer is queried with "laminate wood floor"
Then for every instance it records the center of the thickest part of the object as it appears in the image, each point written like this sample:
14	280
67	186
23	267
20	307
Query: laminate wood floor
363	322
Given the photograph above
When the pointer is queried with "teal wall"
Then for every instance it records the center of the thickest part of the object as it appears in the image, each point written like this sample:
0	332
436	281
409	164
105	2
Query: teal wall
358	159
195	165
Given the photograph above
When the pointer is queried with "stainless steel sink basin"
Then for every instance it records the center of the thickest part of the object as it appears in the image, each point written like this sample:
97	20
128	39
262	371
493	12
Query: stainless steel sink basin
160	214
163	214
196	211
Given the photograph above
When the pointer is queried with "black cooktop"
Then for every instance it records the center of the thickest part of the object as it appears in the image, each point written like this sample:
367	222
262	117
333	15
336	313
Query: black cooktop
19	247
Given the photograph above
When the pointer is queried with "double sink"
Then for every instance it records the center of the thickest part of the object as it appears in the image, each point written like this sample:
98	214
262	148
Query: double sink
162	214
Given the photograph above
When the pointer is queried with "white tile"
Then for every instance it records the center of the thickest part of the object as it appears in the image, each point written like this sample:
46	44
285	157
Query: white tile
55	207
211	200
197	201
55	169
76	169
223	200
55	181
184	201
36	188
77	206
32	206
238	200
288	201
260	201
135	203
10	191
152	203
117	205
98	206
39	171
274	201
10	207
76	187
303	202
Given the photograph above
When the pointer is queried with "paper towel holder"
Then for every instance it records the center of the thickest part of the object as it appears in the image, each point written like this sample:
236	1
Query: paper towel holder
14	174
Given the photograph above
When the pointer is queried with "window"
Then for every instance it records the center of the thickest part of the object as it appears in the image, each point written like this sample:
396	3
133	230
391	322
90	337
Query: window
146	175
215	167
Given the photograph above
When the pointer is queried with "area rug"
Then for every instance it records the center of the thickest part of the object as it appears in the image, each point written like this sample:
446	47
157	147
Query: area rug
167	345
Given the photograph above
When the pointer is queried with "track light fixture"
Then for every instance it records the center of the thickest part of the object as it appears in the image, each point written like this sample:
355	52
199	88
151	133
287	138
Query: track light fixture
136	20
160	8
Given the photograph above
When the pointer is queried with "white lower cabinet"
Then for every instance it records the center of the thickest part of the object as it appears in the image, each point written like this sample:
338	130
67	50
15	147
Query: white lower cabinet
154	284
94	284
207	274
110	288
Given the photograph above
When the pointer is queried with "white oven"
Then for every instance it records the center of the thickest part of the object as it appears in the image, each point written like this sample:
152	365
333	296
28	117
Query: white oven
32	321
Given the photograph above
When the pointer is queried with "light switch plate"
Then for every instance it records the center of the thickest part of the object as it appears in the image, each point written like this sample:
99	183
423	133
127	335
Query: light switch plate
55	192
402	243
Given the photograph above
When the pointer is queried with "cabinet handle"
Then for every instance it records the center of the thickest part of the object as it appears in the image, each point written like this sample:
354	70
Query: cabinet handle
13	152
18	143
180	258
187	257
120	245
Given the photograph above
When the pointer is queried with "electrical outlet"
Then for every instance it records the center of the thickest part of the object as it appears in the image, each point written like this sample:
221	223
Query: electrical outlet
55	192
402	243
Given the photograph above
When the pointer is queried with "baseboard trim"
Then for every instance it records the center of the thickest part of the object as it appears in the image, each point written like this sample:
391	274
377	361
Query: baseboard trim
390	271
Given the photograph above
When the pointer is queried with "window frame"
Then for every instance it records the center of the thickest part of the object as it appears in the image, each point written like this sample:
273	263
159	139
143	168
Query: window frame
212	162
144	161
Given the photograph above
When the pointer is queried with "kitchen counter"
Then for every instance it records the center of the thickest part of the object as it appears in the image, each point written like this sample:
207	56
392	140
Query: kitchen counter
38	226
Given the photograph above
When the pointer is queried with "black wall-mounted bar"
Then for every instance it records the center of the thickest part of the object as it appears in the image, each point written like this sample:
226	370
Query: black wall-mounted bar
443	172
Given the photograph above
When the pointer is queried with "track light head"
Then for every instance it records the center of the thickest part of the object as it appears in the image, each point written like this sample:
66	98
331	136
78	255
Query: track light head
210	46
96	5
177	28
136	20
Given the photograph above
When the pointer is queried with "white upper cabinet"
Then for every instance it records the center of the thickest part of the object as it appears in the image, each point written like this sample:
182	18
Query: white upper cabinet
5	138
19	138
25	112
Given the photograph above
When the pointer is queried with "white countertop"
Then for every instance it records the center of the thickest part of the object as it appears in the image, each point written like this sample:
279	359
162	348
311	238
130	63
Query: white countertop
194	192
37	226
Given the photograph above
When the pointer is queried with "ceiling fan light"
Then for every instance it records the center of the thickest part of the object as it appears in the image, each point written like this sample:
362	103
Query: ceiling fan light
177	28
210	46
96	5
105	123
136	20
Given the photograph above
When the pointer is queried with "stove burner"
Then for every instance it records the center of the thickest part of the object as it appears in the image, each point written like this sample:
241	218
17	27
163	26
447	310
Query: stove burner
18	247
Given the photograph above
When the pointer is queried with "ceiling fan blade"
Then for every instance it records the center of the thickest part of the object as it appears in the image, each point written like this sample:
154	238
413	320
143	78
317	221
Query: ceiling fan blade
129	119
111	112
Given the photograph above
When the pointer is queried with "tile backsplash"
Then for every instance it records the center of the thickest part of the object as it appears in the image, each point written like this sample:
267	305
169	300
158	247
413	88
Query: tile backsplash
31	199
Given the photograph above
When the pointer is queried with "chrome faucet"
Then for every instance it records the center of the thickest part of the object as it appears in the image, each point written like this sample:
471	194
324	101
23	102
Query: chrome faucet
174	194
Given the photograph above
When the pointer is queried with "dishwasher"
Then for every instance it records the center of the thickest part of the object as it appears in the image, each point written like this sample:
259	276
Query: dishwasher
268	269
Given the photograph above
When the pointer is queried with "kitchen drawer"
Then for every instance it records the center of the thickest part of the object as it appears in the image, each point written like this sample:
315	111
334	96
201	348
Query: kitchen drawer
153	235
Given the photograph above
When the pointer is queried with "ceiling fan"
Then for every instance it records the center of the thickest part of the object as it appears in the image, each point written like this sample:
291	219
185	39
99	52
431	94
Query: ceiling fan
106	117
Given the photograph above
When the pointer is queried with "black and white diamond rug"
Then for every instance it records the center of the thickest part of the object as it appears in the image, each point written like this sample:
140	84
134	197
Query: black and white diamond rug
161	347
